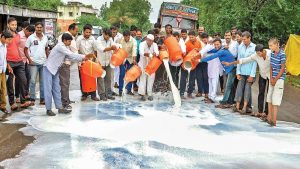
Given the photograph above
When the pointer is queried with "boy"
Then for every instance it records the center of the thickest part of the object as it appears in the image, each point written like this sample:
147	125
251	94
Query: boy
51	75
277	76
5	39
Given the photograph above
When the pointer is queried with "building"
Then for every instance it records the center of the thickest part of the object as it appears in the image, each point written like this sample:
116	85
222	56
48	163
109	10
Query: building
67	14
48	18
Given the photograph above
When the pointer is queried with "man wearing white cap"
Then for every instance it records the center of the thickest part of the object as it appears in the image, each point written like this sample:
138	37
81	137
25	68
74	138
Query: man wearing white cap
148	50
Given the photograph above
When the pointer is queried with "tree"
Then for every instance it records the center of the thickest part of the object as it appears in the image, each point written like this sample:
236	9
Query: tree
127	13
34	4
15	2
45	5
91	19
263	18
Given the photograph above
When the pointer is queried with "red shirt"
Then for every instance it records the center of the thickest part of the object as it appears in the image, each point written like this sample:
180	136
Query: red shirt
13	54
190	46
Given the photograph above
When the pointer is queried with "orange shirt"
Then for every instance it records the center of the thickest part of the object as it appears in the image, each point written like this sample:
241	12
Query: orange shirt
13	54
190	46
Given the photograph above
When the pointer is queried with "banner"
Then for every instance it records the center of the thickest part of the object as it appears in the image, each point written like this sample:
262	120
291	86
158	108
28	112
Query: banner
49	27
292	51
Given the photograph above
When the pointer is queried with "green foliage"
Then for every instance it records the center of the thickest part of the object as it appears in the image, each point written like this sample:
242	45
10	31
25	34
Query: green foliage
127	13
263	18
293	80
35	4
15	2
45	5
91	19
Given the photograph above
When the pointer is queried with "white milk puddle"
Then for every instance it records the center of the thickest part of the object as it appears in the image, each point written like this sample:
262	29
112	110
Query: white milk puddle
132	134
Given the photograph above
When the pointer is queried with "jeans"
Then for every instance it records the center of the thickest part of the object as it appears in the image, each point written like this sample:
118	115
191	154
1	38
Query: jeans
64	81
19	73
243	90
263	86
229	84
202	78
35	70
52	89
123	69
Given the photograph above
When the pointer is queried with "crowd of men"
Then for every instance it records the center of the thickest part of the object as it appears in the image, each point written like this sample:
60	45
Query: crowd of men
226	65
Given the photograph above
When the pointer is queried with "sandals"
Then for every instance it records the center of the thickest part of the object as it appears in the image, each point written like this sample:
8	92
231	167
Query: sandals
256	114
4	110
209	101
272	124
25	105
223	106
14	107
243	111
264	117
206	96
234	109
18	100
199	95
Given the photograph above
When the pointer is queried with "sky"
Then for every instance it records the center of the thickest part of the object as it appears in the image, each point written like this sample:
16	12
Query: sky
155	4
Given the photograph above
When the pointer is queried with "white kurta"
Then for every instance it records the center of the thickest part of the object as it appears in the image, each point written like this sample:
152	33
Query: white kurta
146	82
116	72
214	70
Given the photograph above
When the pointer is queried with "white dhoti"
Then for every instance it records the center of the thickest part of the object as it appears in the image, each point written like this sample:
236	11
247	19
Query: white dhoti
213	87
146	83
116	74
214	71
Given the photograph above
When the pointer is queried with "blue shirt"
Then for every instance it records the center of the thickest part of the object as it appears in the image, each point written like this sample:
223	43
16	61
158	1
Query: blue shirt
3	63
276	61
138	42
224	55
248	69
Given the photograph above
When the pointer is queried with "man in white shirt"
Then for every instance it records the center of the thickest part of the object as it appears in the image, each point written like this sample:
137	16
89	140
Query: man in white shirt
105	46
175	66
214	68
201	30
51	75
128	43
184	35
232	46
116	37
202	70
262	57
86	44
148	49
65	69
36	50
6	38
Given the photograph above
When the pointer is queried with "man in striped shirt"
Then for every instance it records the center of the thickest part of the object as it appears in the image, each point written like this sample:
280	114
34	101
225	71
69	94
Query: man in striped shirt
277	76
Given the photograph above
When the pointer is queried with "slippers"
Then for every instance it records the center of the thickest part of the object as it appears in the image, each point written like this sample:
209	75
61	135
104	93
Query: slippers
235	109
25	105
14	107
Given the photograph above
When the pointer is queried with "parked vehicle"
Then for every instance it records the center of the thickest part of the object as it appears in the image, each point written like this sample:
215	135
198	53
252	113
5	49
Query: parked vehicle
178	15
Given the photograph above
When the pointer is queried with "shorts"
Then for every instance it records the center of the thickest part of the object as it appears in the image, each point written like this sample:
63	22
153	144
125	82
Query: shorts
275	93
